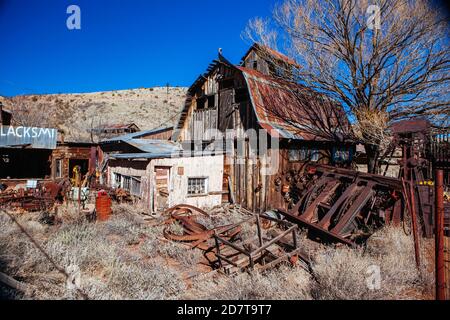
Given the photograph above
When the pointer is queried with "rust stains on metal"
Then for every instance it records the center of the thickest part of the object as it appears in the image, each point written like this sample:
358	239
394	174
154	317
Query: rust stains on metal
289	110
41	198
339	205
228	249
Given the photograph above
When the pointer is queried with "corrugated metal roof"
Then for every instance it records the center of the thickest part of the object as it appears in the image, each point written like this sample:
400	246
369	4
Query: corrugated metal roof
275	54
30	137
116	126
154	146
289	110
163	155
137	135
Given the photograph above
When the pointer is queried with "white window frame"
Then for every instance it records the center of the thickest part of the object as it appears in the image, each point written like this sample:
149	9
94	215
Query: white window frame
205	187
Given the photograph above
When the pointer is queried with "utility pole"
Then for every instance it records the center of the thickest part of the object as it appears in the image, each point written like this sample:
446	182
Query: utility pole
167	99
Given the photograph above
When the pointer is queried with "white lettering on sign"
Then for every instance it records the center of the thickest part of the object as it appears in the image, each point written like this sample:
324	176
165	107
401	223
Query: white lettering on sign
26	132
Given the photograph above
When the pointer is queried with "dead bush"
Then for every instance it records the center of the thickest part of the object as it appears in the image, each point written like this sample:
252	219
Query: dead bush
346	273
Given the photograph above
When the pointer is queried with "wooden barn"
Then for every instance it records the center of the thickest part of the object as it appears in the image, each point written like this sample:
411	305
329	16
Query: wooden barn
231	105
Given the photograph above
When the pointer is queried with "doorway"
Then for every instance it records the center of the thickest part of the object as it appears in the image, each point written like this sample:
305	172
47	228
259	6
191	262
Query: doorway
162	182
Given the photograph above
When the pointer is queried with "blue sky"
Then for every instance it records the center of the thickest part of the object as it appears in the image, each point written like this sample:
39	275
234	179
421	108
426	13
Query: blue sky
121	44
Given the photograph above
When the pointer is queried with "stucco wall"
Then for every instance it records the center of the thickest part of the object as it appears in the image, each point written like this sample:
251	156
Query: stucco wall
132	168
208	166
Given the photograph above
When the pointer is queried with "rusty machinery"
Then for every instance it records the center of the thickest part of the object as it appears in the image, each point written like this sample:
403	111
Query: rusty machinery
226	247
41	198
346	206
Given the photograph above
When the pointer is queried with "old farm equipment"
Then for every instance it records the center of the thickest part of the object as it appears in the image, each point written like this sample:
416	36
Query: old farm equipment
344	206
40	197
252	243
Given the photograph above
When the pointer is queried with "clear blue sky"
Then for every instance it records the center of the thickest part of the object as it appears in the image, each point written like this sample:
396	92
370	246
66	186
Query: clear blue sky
122	44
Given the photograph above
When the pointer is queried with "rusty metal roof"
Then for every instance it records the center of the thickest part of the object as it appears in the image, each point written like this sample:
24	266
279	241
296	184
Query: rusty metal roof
275	54
116	126
137	135
28	137
289	110
284	108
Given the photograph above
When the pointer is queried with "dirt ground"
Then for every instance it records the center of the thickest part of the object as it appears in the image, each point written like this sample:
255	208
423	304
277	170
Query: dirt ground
128	257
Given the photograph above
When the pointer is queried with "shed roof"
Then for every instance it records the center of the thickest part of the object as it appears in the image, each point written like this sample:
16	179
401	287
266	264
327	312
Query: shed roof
137	135
116	126
162	155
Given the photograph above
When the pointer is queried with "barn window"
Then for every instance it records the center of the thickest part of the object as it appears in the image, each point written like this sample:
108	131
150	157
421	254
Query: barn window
241	95
117	180
135	189
227	84
201	102
197	186
126	183
211	101
304	154
341	154
58	168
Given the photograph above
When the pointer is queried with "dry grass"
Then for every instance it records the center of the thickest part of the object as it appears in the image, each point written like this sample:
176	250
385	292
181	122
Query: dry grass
284	283
343	273
125	258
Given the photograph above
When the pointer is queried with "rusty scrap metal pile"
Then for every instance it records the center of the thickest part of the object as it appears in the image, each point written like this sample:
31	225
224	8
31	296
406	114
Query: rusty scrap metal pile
345	206
252	243
40	197
334	205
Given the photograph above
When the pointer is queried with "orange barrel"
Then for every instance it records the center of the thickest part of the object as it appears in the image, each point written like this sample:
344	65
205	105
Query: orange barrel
103	206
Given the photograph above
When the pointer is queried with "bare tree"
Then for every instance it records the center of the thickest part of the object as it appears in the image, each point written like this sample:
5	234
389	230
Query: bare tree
29	113
384	61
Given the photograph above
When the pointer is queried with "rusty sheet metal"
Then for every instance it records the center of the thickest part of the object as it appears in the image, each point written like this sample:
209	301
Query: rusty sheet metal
275	54
194	232
31	137
289	110
344	206
42	198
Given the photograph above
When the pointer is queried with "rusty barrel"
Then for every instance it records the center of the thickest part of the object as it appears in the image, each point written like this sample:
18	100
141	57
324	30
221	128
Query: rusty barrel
103	206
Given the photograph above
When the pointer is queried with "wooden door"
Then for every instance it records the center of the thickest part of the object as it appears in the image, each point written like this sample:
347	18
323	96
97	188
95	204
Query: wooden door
226	110
162	181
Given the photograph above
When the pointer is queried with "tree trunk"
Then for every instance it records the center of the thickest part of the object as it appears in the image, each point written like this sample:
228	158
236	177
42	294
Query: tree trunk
372	152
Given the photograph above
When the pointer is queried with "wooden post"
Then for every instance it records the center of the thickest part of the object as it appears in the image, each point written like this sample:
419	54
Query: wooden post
414	222
439	196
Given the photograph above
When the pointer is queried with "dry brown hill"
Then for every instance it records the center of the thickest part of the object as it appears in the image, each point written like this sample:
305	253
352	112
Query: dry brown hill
76	114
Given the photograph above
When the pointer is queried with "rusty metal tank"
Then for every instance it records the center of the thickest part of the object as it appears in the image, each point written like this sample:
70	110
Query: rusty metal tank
103	206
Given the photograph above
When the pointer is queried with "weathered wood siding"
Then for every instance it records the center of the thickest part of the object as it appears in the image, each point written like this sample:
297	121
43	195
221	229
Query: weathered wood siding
65	154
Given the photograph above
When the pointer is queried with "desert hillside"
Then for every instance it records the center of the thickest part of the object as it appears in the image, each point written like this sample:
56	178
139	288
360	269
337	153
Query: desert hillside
76	114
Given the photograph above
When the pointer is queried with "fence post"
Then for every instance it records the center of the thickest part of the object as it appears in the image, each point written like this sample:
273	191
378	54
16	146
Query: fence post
439	246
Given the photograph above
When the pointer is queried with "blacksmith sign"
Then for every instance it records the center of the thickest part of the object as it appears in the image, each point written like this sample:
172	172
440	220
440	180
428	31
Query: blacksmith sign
28	137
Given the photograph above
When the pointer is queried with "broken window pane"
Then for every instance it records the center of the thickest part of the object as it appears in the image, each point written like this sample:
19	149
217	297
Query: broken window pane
197	186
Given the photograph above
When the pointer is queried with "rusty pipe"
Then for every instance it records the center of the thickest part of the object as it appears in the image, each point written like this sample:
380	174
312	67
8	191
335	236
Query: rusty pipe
439	196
